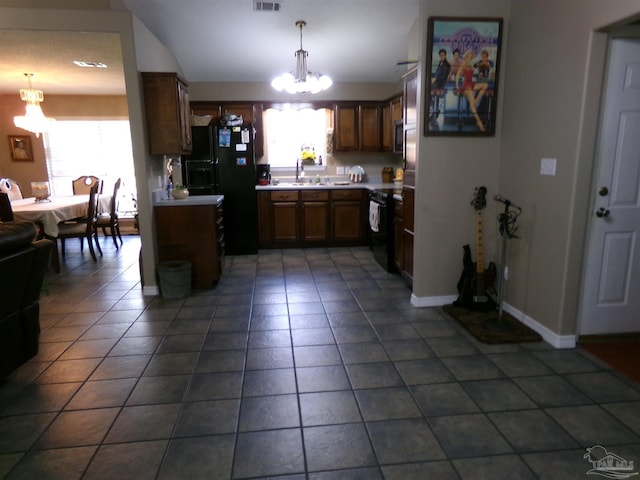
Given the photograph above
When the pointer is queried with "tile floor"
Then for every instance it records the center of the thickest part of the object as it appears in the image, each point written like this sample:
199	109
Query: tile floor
300	364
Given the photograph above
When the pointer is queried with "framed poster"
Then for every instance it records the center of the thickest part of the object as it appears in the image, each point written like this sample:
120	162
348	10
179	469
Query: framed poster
20	146
463	59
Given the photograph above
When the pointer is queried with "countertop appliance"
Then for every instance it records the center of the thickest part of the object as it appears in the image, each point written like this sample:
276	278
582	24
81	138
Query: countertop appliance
263	173
222	162
381	228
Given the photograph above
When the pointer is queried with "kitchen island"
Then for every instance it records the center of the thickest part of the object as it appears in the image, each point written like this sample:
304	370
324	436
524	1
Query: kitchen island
191	230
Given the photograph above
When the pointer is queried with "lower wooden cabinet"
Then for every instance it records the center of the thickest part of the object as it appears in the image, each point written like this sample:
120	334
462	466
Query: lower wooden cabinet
314	217
349	214
195	234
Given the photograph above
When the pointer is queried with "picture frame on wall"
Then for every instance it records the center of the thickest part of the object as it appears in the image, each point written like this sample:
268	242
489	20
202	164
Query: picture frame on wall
463	64
20	146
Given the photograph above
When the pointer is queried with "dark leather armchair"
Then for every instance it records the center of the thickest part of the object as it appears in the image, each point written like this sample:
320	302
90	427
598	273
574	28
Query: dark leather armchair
23	263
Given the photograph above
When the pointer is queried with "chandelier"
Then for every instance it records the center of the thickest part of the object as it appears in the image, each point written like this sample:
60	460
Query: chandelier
302	80
34	120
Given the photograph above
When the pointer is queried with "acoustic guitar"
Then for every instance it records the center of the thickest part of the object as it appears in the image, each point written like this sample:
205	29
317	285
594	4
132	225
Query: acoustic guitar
476	282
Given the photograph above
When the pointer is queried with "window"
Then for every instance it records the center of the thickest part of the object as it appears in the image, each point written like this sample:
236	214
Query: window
91	147
292	134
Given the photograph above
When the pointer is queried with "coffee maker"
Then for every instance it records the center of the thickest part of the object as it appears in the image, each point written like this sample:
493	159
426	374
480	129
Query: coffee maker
263	172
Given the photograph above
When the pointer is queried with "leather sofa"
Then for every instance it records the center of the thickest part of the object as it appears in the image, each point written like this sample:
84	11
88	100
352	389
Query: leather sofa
23	265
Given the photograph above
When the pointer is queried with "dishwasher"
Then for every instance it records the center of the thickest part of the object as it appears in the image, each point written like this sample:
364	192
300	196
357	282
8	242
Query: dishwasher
381	228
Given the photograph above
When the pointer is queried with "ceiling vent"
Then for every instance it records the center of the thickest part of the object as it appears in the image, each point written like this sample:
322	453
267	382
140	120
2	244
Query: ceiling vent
266	6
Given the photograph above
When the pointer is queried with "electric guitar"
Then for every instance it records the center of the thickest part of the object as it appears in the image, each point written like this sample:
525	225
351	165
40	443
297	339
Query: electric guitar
475	282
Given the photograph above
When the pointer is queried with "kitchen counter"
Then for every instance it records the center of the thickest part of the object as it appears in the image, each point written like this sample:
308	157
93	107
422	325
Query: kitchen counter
160	200
328	186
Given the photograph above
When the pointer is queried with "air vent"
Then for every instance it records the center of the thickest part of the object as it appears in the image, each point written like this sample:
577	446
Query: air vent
266	6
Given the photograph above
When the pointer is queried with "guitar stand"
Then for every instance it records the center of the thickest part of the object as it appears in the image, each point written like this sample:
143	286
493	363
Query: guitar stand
507	222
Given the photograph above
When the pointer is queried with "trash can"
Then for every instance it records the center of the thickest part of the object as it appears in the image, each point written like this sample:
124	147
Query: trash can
175	278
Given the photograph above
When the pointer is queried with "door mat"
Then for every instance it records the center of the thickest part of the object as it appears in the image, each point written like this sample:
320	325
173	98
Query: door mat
485	327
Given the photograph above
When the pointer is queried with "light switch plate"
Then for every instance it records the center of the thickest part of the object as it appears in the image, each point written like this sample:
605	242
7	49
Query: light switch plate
548	166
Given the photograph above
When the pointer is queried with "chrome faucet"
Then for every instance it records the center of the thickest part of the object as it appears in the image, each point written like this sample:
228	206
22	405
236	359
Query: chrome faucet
299	170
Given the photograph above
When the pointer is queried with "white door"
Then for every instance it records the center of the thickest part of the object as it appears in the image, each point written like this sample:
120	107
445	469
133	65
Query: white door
611	291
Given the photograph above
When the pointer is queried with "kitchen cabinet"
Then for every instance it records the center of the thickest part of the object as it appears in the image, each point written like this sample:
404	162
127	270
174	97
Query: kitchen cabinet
203	246
346	137
284	217
251	112
391	115
348	211
410	82
370	127
315	216
366	126
311	217
166	103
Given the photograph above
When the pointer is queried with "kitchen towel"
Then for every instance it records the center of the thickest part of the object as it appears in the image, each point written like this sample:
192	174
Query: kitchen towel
374	216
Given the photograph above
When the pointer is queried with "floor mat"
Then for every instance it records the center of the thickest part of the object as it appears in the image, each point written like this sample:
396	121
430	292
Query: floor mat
485	326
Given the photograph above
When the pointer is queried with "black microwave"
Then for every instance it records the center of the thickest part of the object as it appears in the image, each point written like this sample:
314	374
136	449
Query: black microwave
398	136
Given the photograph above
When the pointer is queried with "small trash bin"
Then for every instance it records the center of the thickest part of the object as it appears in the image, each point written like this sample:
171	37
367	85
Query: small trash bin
175	278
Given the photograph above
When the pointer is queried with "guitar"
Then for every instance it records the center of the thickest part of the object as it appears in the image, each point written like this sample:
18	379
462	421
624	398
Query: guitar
475	282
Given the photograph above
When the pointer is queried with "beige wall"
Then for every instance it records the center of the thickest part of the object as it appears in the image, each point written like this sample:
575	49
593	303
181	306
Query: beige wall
550	89
553	113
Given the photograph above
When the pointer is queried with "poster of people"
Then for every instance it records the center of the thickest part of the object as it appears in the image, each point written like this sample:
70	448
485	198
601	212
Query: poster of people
462	91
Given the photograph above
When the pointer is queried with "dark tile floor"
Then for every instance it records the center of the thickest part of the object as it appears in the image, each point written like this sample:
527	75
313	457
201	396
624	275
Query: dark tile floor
300	364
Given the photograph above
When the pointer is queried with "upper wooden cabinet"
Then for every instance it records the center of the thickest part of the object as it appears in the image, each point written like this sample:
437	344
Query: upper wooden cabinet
346	138
166	103
366	126
251	112
370	123
410	133
391	114
410	81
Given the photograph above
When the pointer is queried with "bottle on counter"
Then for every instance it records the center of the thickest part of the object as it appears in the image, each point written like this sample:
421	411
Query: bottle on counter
169	190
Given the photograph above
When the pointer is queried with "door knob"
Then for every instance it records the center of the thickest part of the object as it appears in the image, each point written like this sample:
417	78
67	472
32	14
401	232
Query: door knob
603	192
602	212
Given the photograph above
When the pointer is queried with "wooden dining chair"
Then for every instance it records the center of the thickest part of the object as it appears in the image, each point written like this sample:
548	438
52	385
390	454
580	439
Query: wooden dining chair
110	220
82	229
6	212
83	184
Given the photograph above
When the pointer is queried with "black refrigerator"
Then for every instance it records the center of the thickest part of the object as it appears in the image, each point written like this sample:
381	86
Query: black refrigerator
222	162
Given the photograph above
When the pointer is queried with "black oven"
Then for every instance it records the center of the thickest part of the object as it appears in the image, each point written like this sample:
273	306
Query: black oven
199	176
381	228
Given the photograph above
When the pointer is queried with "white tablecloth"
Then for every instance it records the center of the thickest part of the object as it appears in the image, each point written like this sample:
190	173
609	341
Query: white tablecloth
57	210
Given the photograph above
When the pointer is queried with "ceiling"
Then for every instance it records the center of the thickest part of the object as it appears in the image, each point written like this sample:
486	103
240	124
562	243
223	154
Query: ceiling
222	41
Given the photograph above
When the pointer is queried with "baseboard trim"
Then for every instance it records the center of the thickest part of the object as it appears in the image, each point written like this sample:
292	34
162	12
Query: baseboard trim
552	338
150	290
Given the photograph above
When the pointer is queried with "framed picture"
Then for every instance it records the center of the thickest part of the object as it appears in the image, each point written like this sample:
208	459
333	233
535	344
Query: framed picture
21	148
463	59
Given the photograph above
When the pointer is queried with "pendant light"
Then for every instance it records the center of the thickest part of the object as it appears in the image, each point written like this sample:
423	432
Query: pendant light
302	80
34	120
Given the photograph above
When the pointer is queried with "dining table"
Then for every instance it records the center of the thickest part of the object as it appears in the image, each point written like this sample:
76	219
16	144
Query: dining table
50	212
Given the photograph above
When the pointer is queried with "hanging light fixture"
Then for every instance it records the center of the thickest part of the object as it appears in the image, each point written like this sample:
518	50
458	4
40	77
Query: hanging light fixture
33	120
302	80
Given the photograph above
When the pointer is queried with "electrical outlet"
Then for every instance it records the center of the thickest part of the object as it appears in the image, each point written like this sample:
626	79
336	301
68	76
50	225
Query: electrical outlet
339	170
